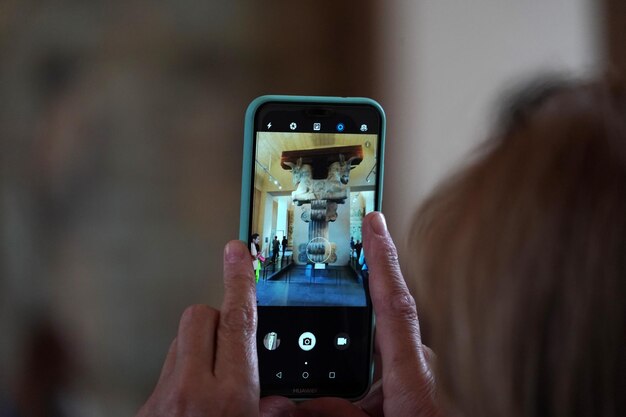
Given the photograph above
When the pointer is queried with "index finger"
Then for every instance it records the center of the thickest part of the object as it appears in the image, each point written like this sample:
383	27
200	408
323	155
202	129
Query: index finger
236	334
397	326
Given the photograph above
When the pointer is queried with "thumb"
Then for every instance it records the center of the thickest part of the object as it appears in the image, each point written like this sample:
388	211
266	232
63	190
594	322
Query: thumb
408	382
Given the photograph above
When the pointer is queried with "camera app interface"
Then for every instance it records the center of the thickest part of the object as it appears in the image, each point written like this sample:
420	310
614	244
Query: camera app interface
311	192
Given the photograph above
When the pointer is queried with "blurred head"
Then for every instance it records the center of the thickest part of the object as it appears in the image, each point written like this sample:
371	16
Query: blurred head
521	261
254	238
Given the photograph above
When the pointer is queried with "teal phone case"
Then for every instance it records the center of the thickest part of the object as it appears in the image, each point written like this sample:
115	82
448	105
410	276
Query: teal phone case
246	175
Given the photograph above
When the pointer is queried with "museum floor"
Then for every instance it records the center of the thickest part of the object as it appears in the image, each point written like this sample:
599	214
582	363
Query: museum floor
296	285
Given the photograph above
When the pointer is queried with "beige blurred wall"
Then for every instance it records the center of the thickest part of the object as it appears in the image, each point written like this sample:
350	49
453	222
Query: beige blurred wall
443	66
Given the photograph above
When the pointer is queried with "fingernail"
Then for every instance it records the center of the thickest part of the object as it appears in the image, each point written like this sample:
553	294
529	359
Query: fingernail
235	251
379	225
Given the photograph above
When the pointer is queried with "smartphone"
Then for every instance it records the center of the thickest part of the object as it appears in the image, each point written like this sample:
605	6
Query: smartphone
312	169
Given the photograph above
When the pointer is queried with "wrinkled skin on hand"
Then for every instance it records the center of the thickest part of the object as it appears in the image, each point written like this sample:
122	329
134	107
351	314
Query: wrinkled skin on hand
211	366
407	386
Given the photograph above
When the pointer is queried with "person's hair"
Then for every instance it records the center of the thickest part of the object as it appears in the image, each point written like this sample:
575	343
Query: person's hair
521	261
252	238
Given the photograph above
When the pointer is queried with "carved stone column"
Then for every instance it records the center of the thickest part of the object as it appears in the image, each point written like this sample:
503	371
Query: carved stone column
321	178
318	247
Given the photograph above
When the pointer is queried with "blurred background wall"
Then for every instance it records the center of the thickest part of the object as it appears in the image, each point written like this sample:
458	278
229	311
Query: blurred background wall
449	62
121	139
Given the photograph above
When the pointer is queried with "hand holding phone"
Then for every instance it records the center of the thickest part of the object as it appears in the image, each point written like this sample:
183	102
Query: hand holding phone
212	366
212	360
407	377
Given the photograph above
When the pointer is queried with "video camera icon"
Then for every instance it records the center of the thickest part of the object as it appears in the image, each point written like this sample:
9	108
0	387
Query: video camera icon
342	341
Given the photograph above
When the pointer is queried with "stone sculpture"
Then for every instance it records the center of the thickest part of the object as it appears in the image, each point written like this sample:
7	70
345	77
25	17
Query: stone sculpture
323	194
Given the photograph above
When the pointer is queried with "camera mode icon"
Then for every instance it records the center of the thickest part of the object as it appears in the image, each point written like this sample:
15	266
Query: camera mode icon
306	341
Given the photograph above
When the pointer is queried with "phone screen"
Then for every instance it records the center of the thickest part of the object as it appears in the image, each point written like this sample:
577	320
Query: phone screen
316	173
